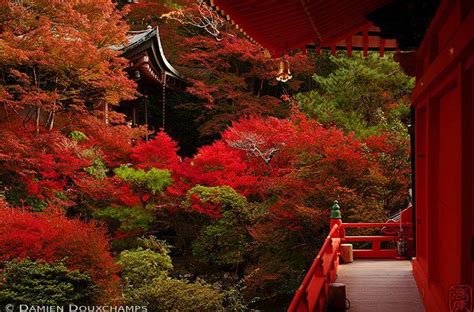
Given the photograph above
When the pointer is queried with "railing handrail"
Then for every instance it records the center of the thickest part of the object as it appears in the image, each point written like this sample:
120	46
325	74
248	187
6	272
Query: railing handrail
334	233
375	225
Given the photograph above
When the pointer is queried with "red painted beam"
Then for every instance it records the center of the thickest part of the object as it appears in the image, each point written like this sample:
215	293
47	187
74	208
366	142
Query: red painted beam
369	253
374	42
374	225
368	238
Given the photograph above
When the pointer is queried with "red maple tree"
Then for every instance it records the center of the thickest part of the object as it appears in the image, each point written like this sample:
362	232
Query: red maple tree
57	57
52	238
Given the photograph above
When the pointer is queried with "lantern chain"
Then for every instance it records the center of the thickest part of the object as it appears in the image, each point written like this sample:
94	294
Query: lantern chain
164	101
303	3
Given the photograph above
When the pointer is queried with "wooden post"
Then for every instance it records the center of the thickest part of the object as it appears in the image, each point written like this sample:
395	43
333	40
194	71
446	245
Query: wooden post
337	297
382	47
347	253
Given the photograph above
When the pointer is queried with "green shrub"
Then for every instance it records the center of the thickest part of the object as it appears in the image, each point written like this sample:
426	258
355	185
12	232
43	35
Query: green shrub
78	136
142	266
225	196
98	169
178	295
127	218
37	283
18	195
154	180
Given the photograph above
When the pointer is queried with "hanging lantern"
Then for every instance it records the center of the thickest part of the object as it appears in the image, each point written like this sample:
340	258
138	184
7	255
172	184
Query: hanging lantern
284	73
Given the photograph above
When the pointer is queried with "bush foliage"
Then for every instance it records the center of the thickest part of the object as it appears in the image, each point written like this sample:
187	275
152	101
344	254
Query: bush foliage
178	295
39	283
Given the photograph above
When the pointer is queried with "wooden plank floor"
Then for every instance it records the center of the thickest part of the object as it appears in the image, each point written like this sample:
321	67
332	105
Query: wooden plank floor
380	286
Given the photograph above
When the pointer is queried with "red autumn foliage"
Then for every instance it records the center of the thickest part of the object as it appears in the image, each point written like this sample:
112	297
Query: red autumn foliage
104	192
218	164
115	142
301	164
51	163
56	56
47	163
53	237
160	152
230	76
208	208
148	12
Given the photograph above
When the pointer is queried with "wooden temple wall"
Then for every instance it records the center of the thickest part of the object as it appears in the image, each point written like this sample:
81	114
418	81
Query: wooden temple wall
444	136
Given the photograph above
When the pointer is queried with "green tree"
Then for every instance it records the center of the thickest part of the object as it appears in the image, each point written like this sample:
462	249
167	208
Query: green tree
222	242
127	219
146	186
364	95
153	180
145	277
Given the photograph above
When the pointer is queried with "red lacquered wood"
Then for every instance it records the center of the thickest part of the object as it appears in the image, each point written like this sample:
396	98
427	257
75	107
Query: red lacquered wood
371	253
368	238
374	225
283	25
443	99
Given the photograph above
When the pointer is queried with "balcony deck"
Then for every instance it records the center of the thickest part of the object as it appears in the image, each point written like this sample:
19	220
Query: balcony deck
380	286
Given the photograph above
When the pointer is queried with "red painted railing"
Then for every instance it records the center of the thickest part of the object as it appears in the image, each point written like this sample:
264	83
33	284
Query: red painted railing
312	294
313	291
375	240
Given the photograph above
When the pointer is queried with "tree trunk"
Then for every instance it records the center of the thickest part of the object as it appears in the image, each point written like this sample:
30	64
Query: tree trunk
38	114
51	124
106	113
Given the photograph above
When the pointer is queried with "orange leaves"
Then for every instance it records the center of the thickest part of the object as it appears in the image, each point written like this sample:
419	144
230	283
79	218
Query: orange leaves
57	54
38	98
21	77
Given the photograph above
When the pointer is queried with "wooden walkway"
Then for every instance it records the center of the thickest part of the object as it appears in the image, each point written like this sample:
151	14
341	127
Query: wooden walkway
380	286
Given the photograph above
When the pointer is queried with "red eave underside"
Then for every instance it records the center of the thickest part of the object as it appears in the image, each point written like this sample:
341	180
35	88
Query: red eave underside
281	25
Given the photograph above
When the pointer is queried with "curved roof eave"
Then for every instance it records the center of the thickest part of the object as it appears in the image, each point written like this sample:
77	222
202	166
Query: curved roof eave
149	39
169	69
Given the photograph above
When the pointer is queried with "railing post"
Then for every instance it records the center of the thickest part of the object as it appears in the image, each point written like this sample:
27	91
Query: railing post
336	218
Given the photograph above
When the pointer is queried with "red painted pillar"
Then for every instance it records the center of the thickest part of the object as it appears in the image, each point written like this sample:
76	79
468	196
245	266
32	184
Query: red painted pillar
365	43
349	46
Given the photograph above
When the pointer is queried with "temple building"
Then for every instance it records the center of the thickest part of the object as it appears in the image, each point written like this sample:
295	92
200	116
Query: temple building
153	73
